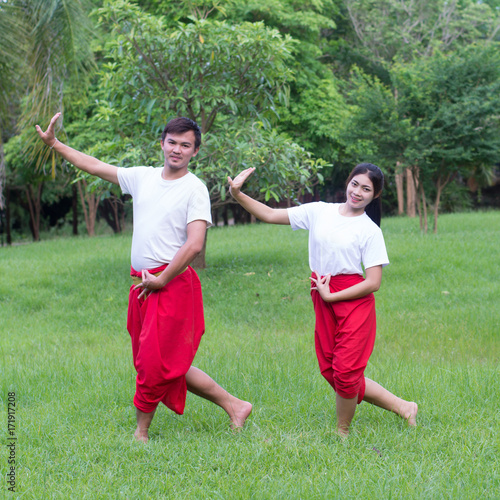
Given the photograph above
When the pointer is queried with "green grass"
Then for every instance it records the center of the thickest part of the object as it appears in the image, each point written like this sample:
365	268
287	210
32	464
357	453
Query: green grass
66	354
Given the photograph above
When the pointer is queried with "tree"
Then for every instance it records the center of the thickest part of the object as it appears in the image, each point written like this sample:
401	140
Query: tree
51	48
406	30
228	78
444	123
453	102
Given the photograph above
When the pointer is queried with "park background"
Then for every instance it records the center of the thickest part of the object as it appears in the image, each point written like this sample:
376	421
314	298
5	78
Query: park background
302	91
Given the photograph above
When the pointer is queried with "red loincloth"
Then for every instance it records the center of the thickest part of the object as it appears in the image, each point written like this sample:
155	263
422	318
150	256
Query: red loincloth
344	337
166	330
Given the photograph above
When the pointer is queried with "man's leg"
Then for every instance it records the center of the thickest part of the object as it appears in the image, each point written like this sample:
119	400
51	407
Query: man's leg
143	423
377	395
199	383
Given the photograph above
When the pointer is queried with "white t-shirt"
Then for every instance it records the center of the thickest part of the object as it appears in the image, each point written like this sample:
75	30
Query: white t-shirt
162	211
339	244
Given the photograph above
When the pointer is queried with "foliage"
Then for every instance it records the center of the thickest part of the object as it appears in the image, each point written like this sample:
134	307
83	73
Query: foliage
441	119
228	78
285	170
390	29
198	70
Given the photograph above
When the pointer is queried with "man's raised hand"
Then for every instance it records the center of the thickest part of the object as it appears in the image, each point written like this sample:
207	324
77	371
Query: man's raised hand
49	136
236	184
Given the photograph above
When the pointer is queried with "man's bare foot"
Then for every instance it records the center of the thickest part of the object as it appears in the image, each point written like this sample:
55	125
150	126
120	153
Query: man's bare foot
240	412
409	412
141	435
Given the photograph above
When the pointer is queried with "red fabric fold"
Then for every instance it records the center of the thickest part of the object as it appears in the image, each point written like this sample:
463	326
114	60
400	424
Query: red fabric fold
166	330
344	337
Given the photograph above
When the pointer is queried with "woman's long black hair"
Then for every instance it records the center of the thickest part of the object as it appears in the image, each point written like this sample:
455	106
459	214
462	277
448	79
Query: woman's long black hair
374	209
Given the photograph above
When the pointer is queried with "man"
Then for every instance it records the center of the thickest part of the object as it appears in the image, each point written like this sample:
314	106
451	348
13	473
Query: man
165	314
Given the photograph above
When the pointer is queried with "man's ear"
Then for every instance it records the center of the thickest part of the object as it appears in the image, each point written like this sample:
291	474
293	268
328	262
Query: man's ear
196	151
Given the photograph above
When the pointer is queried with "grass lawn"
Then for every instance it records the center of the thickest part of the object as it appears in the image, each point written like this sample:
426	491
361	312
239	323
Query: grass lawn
66	355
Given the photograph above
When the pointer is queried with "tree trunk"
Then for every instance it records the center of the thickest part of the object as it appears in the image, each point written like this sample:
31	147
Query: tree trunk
7	218
400	191
410	194
424	208
110	211
2	174
90	202
35	209
74	209
440	185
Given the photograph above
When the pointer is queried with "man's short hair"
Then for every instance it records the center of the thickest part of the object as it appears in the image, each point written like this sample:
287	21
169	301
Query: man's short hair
180	125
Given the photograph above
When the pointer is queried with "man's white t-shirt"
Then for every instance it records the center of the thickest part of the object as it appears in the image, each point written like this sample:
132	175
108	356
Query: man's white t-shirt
339	244
162	211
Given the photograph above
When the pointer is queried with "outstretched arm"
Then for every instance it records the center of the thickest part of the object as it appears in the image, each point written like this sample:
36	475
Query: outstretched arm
80	160
371	283
261	211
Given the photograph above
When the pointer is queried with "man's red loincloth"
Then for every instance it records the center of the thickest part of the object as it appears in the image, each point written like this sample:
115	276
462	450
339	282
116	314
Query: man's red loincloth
344	337
166	330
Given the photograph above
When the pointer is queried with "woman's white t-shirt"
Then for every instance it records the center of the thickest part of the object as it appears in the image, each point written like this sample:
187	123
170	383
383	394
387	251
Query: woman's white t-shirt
162	211
339	244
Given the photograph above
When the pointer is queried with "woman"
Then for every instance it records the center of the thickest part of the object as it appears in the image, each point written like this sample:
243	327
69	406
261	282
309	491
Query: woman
342	238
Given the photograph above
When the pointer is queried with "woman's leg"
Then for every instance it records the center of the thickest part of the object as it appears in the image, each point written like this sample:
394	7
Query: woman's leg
378	396
345	413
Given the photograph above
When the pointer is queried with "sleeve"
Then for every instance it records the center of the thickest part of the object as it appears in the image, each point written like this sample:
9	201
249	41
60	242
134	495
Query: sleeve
374	252
127	179
199	205
301	216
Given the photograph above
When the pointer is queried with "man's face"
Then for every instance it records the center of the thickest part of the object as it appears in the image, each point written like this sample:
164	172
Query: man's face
178	150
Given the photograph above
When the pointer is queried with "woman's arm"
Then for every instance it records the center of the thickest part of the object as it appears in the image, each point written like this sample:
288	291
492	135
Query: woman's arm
371	283
261	211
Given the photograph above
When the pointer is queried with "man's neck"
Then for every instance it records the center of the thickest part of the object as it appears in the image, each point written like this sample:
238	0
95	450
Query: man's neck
170	174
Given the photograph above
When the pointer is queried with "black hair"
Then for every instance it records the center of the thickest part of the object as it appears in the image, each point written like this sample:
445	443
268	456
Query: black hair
181	125
374	208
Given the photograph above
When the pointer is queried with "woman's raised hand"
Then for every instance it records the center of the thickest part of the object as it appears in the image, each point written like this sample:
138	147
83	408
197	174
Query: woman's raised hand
236	184
49	136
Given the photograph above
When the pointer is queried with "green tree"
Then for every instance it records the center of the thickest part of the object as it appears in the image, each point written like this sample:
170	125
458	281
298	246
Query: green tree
444	123
45	44
453	102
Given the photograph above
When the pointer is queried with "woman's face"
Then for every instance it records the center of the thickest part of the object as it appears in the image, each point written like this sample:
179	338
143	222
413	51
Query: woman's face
359	192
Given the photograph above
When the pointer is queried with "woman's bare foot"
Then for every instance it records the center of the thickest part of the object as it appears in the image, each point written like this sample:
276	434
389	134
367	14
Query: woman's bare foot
342	433
240	412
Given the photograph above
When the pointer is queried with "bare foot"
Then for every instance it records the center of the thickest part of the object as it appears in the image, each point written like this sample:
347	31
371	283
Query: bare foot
409	412
240	412
342	433
141	435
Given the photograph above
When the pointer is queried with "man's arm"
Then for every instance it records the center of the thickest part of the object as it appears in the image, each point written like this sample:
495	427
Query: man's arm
80	160
195	240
